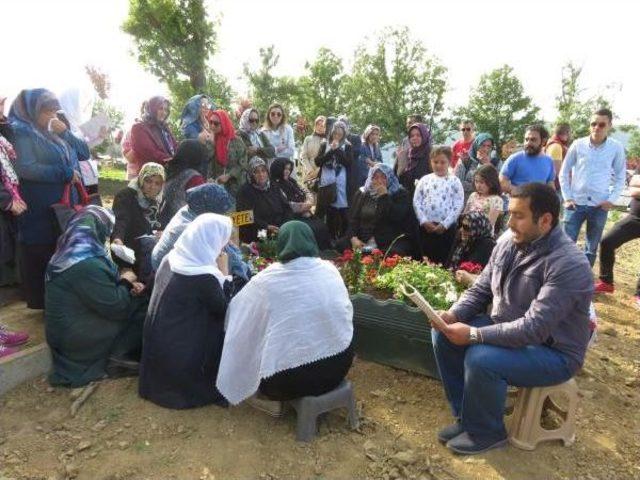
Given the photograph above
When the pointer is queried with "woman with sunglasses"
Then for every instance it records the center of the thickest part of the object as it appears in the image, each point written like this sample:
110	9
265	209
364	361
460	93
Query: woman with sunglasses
280	134
228	167
257	142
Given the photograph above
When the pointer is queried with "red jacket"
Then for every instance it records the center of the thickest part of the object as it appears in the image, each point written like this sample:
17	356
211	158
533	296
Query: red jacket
147	144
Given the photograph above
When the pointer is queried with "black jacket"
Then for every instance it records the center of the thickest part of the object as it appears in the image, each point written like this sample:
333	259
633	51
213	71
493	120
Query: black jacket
270	207
394	216
342	157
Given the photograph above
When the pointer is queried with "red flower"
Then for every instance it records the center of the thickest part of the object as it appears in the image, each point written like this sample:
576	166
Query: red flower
390	262
368	260
470	267
377	252
347	255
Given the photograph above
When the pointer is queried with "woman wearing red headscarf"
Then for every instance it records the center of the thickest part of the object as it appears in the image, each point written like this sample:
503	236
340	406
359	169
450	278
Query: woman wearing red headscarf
151	139
229	164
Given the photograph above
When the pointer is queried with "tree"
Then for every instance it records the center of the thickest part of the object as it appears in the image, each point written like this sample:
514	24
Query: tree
393	77
572	108
265	88
175	40
320	91
499	106
633	147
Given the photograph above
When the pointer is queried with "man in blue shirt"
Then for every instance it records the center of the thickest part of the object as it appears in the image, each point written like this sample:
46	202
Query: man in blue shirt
530	165
591	179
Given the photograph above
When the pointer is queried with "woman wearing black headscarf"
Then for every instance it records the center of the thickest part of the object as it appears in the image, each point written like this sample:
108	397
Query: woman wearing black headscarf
270	207
187	169
299	200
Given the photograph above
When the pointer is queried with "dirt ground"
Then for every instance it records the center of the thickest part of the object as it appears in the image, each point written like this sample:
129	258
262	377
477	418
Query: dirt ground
116	435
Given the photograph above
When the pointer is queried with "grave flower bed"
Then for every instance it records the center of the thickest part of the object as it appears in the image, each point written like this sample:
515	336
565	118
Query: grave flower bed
388	328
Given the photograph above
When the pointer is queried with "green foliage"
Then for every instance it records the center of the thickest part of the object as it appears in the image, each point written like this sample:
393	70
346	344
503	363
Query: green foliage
571	106
266	88
393	77
174	40
499	106
633	147
437	285
320	90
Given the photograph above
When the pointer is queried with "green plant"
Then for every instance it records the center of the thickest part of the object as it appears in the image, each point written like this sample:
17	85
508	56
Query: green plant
437	285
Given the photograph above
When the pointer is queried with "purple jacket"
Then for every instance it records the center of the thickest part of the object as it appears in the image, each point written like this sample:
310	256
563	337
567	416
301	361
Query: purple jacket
542	298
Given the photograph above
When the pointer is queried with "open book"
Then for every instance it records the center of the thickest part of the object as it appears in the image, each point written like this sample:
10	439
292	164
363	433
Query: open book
414	295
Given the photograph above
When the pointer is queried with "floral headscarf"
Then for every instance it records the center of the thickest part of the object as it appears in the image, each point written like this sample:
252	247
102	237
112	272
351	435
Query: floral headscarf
209	198
150	206
420	153
244	123
222	139
368	131
479	227
393	184
7	157
84	237
254	163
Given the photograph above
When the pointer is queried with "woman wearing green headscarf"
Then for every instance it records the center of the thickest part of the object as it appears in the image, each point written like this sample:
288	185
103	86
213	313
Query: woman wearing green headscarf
481	153
280	342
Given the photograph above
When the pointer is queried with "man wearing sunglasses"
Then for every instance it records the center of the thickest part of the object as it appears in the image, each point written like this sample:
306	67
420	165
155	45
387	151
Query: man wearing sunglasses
460	148
592	179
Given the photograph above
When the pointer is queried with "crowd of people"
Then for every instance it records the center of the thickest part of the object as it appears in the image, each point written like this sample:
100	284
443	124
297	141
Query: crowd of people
190	318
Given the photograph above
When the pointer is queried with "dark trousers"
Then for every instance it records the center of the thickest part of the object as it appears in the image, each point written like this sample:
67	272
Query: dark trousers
337	221
475	378
437	246
312	379
33	264
622	232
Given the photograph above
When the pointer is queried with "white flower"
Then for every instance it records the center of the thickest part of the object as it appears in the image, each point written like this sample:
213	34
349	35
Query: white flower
451	295
262	234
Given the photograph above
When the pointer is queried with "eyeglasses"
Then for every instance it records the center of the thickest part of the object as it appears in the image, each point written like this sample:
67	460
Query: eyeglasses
275	114
214	122
598	124
465	129
253	120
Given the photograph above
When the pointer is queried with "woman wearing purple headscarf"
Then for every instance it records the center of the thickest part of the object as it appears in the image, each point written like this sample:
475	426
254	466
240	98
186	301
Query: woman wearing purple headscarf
418	159
151	139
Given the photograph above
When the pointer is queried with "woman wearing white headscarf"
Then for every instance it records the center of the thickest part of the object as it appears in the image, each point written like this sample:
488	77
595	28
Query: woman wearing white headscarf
257	142
279	342
184	329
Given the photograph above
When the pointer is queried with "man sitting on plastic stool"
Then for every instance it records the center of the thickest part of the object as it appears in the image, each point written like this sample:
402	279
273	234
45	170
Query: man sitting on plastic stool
541	286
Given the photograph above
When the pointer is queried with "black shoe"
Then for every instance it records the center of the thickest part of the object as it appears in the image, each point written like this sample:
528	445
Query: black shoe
452	431
465	444
119	367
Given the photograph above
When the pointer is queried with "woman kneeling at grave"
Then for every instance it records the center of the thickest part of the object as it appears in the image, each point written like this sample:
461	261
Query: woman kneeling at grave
281	343
92	315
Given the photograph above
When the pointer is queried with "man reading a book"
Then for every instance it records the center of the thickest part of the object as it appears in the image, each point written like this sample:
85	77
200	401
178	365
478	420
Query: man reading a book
539	287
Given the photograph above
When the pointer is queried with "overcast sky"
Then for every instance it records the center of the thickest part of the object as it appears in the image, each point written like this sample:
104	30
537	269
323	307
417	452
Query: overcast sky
47	43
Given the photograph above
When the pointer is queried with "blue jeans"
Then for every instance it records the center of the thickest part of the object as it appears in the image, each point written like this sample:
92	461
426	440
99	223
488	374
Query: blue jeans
595	217
476	377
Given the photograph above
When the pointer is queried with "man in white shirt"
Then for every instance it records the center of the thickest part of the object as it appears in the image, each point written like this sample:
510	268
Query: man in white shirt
591	179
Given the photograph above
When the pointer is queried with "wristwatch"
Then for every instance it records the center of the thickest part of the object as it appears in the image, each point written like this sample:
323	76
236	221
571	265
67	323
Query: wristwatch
473	335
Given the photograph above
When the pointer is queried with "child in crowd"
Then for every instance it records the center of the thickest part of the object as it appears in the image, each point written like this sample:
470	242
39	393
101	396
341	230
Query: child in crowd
486	198
438	202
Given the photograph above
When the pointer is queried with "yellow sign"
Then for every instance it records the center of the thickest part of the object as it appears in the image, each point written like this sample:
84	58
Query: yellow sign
242	218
